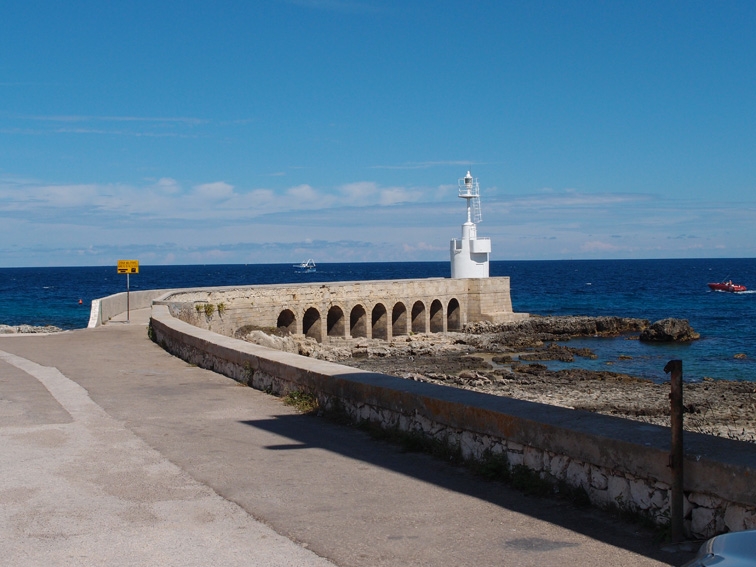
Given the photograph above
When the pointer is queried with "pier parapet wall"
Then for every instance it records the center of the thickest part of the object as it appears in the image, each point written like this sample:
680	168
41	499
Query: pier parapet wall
614	462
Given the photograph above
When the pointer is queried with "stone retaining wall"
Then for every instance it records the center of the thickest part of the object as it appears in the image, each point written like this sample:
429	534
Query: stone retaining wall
616	462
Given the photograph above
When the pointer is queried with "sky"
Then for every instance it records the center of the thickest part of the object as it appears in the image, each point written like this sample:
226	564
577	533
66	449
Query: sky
267	131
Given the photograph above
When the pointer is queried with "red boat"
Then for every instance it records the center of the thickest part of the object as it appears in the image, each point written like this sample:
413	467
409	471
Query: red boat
727	286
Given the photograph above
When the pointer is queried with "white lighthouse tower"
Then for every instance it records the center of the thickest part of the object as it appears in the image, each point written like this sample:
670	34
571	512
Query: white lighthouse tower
469	255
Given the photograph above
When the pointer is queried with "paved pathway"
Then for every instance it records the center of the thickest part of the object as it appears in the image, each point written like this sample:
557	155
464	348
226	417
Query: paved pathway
116	453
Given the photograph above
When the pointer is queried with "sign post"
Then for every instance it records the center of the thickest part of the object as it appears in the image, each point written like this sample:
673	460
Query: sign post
676	456
128	267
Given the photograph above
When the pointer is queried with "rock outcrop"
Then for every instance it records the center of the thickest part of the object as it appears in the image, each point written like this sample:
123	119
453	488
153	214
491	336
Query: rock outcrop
28	329
575	326
258	337
670	330
535	331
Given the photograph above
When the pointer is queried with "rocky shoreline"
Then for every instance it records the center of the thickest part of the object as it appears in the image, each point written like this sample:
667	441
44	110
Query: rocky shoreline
28	329
504	360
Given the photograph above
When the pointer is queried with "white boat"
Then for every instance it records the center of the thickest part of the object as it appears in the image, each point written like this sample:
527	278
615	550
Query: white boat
308	266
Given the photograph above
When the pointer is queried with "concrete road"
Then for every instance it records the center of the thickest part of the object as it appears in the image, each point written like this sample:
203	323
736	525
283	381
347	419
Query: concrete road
116	453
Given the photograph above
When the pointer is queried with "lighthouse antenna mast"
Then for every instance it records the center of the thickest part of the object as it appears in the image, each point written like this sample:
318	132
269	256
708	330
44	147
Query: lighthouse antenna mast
469	189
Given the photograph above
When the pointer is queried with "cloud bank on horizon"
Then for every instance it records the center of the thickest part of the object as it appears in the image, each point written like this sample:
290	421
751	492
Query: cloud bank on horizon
338	129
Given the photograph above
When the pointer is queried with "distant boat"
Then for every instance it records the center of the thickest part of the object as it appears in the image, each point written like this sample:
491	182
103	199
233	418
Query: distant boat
308	266
727	286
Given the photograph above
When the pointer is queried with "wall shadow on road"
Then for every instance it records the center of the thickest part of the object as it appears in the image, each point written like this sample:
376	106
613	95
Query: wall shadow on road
307	431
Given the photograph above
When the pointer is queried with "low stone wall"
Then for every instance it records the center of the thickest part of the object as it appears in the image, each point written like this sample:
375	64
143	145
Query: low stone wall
616	462
105	308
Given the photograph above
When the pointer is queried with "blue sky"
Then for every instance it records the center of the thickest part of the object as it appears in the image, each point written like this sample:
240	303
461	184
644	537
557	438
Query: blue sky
273	131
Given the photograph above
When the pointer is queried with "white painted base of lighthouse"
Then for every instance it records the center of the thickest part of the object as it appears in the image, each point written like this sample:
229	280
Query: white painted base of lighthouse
469	255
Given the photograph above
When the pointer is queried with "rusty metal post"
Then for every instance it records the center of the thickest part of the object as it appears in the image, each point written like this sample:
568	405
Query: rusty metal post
676	450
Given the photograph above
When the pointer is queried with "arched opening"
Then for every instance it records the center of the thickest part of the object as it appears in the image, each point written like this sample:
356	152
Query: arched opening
358	322
380	322
335	322
418	317
311	324
436	317
453	316
287	322
399	320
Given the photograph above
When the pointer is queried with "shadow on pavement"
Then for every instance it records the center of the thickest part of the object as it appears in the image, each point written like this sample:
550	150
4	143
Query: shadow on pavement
315	432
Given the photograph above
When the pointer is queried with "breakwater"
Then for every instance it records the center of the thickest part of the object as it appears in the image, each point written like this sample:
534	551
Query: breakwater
615	462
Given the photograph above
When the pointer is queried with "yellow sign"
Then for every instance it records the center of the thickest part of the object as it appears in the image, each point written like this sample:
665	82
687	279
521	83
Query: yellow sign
128	266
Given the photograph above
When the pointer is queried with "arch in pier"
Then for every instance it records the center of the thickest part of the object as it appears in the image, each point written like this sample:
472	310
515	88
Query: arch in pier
399	320
311	324
335	322
436	317
358	322
380	322
453	316
287	322
418	317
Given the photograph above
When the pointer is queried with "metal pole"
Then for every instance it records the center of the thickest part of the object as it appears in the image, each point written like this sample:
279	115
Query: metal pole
128	313
676	452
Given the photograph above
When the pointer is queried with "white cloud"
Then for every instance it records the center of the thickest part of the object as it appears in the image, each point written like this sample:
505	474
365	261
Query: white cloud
598	246
85	118
389	223
571	199
370	193
128	126
359	193
215	191
260	197
423	247
304	195
428	164
395	195
70	195
167	185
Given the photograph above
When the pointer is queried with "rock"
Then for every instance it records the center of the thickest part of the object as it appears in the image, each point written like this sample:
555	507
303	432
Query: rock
703	522
286	344
532	332
557	352
669	330
574	326
530	368
28	329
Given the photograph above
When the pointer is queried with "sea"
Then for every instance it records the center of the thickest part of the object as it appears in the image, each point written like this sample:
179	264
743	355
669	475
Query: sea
647	289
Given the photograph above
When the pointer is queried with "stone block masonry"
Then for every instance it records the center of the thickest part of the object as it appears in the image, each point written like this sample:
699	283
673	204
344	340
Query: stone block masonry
343	310
616	462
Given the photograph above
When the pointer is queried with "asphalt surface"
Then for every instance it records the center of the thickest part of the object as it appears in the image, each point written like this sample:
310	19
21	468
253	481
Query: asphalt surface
116	453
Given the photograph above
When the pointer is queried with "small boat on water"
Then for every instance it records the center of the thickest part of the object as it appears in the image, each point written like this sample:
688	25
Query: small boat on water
308	266
727	286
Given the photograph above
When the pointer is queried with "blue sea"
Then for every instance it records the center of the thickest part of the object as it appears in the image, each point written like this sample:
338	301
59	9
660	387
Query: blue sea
649	289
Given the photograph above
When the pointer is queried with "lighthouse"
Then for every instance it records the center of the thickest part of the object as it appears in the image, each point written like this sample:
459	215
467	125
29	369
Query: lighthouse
469	254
